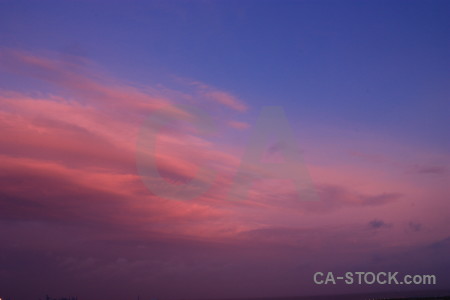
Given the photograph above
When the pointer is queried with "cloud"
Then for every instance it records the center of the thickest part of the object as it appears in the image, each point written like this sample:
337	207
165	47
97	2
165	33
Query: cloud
431	170
226	99
81	81
331	198
441	244
48	191
378	224
219	96
81	148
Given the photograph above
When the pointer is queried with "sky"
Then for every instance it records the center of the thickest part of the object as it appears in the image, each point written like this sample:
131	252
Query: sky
363	87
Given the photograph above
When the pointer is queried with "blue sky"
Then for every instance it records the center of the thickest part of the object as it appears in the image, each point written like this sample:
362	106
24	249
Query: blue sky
378	64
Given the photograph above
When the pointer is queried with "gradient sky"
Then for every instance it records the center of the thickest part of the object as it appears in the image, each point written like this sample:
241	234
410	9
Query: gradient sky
365	87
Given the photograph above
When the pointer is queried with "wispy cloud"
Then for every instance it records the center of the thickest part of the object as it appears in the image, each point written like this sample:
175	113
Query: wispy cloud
431	170
219	96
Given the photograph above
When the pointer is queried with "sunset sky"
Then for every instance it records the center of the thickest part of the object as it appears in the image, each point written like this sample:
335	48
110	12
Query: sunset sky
364	86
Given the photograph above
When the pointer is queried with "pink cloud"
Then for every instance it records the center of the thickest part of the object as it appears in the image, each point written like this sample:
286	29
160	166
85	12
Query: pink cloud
222	97
87	142
84	83
227	100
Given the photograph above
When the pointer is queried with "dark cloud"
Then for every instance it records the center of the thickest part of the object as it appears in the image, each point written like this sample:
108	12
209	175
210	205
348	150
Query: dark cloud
332	198
431	170
378	224
441	244
380	199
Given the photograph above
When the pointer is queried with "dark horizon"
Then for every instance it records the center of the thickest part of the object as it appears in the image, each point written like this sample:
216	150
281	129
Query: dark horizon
387	295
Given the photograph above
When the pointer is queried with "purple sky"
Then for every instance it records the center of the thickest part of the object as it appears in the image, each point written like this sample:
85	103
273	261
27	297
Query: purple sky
364	85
